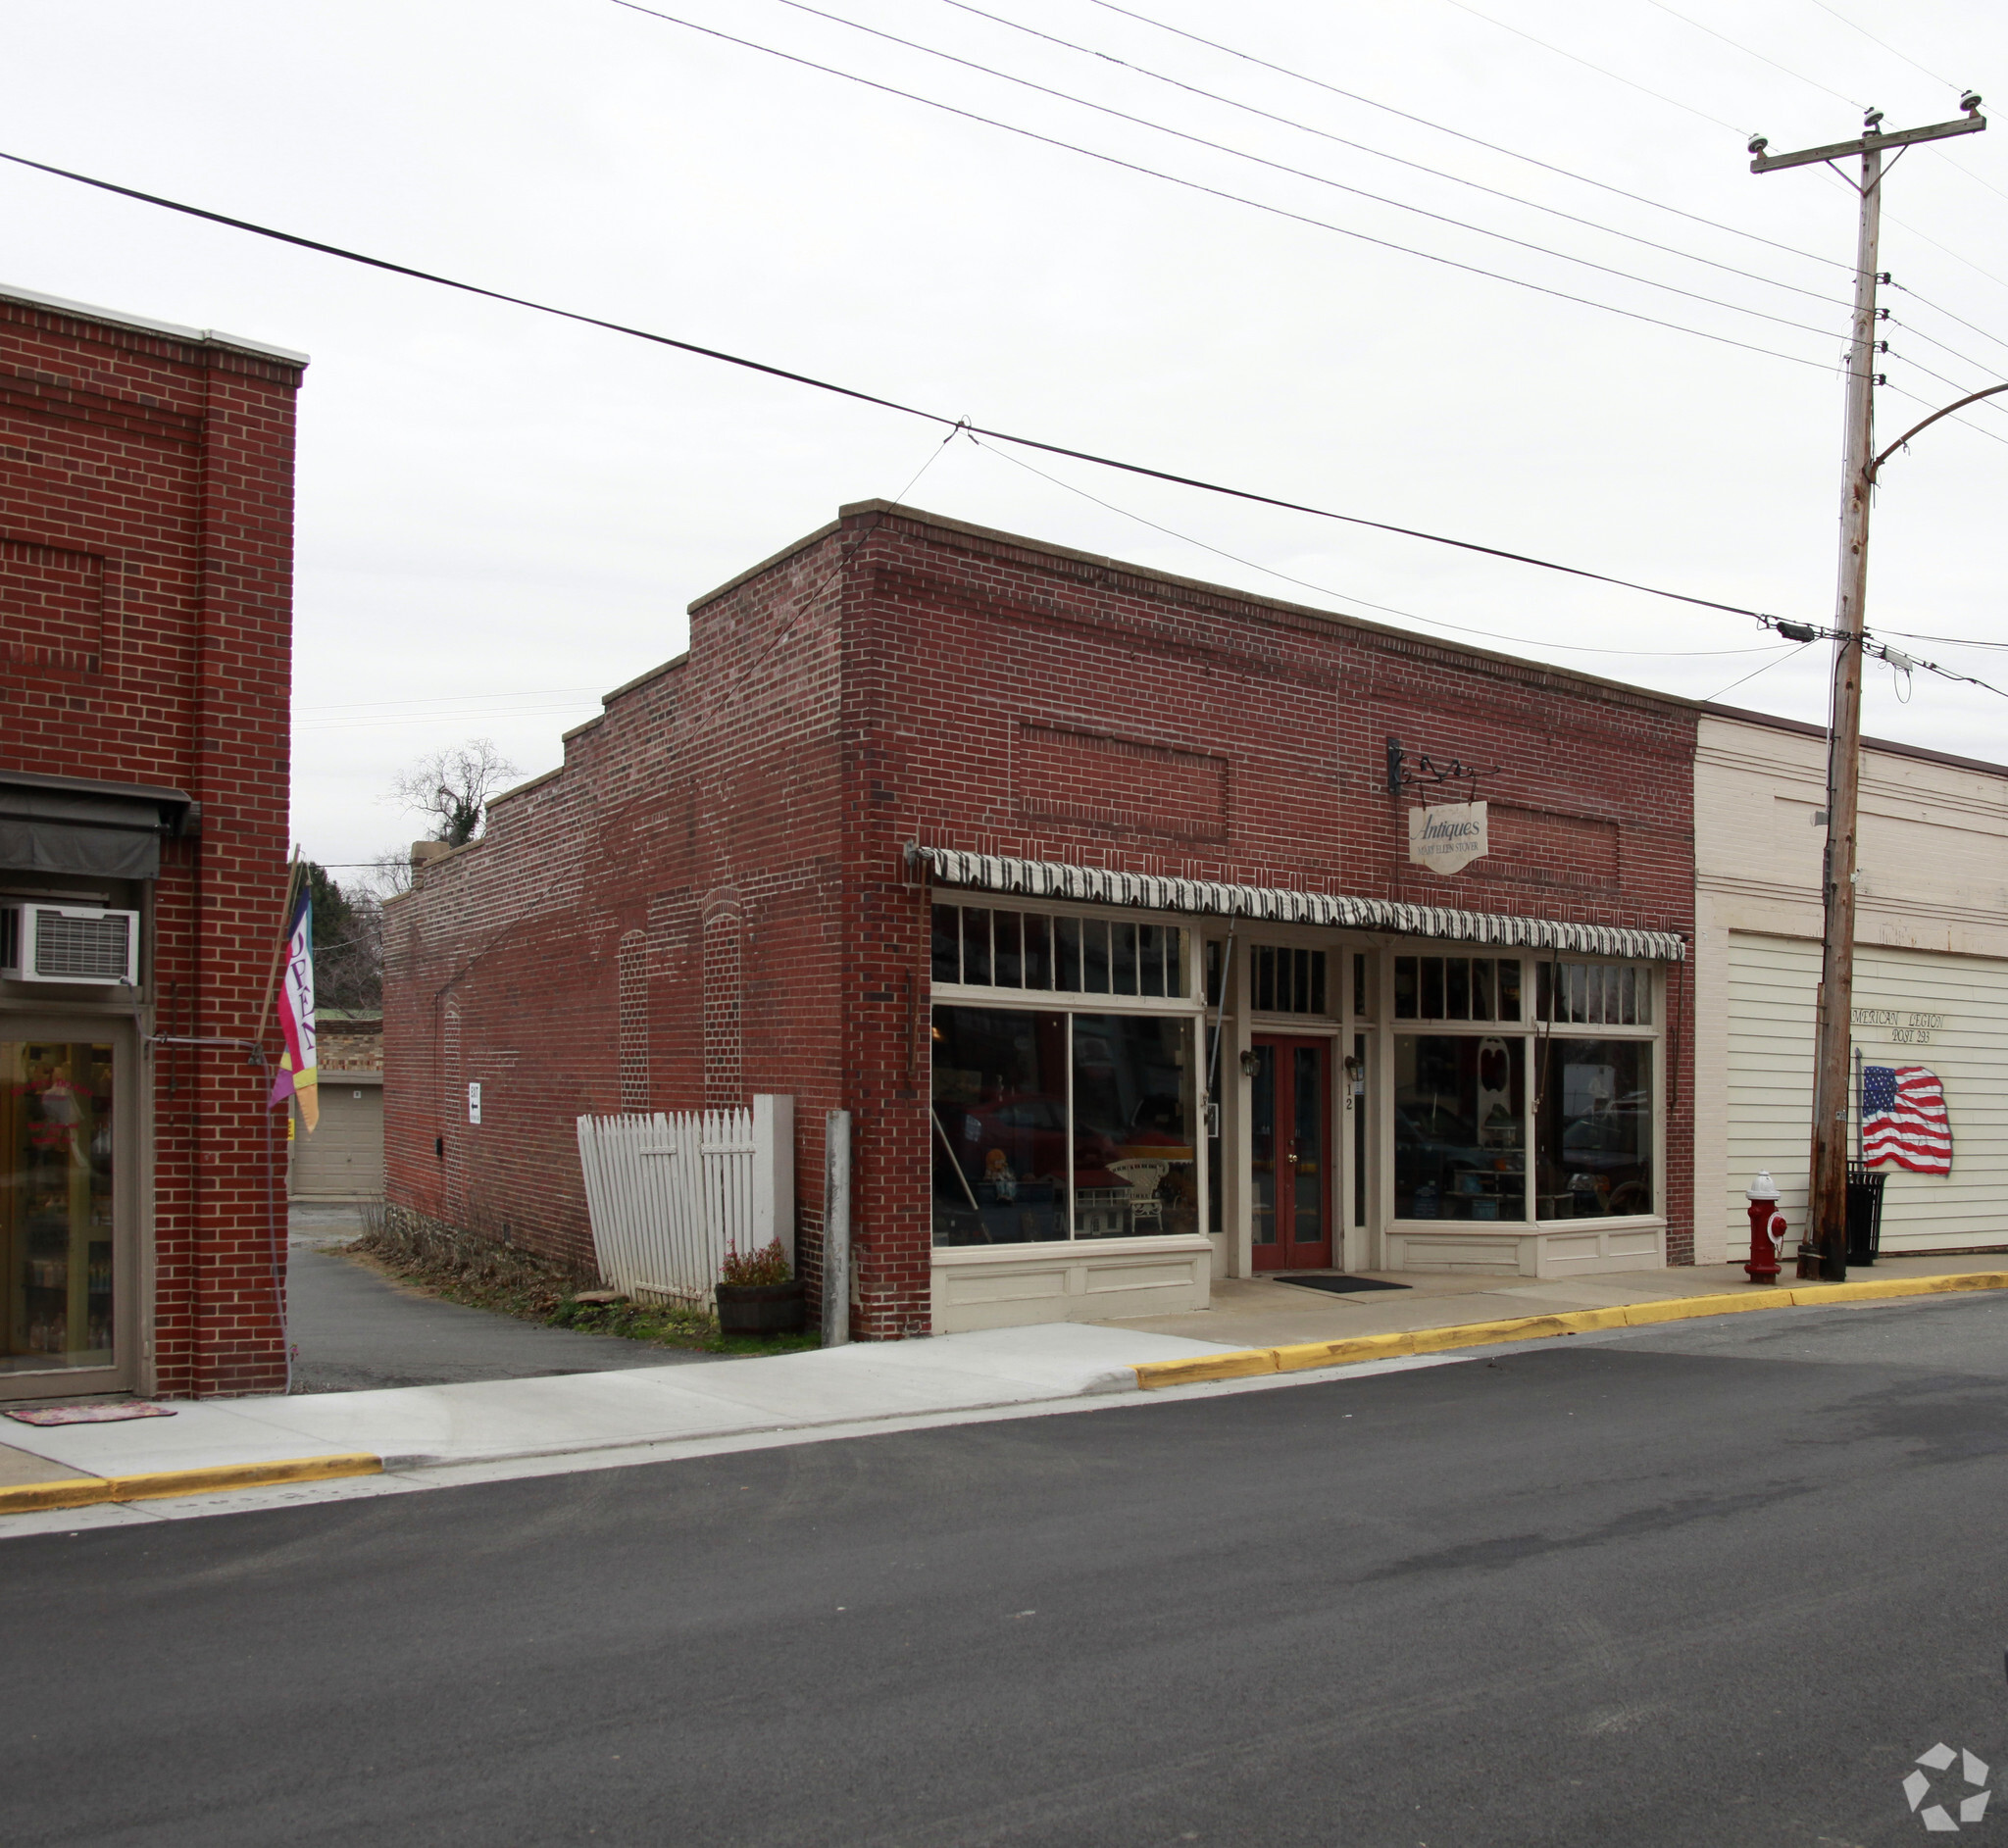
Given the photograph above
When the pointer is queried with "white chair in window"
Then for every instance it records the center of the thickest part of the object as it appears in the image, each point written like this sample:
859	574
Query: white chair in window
1143	1179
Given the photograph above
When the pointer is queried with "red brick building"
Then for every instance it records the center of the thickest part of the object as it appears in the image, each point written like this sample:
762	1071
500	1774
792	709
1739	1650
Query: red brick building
1085	891
145	661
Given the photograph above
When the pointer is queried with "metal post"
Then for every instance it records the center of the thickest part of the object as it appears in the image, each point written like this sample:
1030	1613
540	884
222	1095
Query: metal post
836	1229
1823	1252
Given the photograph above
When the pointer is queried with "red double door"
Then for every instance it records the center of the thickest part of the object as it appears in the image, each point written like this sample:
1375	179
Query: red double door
1290	1153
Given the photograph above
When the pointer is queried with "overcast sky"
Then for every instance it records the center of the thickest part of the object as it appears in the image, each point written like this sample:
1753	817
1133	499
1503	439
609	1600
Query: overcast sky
501	515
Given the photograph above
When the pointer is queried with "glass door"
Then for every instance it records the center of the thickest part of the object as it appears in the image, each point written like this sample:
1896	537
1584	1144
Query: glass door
1289	1152
58	1242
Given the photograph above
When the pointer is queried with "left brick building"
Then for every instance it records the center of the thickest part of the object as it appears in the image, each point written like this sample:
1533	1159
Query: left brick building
146	501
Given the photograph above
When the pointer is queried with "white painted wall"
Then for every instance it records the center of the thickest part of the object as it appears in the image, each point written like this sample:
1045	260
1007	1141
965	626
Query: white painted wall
1932	938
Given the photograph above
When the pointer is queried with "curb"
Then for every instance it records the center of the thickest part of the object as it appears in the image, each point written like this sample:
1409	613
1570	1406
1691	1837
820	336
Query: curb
84	1492
1241	1363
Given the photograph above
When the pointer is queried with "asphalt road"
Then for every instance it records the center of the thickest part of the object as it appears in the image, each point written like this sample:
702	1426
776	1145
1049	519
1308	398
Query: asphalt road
1716	1586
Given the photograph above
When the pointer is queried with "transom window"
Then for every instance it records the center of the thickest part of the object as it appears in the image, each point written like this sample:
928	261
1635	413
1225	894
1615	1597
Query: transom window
980	946
1457	987
1288	982
1595	994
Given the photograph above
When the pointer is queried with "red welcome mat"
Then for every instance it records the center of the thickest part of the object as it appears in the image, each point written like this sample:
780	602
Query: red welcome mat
87	1414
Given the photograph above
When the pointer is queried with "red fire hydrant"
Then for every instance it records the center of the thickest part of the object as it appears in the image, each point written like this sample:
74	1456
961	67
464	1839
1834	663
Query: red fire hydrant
1768	1229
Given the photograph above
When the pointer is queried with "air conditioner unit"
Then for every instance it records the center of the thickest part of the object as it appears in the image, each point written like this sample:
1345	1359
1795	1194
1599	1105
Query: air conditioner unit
69	943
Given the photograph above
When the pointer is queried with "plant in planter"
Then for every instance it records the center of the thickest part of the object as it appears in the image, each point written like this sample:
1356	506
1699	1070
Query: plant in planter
755	1295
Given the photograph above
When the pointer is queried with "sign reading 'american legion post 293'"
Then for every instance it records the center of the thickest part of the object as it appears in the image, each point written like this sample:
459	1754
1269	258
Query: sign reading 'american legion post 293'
1447	839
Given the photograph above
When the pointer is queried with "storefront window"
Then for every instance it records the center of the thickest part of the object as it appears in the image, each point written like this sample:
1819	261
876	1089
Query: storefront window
1594	1127
1287	981
55	1206
1459	1148
1457	988
1134	1127
1036	1116
978	947
1593	994
1000	1161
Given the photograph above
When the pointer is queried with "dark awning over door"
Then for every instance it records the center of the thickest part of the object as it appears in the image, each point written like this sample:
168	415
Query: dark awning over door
103	830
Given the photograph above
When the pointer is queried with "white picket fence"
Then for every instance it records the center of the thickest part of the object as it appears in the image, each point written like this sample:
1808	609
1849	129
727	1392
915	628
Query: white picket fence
670	1194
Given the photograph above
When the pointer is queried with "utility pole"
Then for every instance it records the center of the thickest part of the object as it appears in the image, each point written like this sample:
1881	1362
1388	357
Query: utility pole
1823	1251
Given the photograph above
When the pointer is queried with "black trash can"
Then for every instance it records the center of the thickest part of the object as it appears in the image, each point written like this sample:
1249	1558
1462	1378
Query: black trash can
1864	1214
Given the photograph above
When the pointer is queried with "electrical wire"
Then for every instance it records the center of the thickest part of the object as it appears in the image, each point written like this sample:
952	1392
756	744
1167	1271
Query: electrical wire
1836	13
1798	77
1915	365
866	397
1343	596
1491	147
1657	95
1280	166
1363	147
1236	198
1765	669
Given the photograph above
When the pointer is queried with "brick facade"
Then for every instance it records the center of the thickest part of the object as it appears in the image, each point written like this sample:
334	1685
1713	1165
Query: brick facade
898	677
146	492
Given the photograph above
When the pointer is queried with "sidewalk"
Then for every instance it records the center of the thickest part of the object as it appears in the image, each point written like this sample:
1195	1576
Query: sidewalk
422	1428
266	1451
1259	1312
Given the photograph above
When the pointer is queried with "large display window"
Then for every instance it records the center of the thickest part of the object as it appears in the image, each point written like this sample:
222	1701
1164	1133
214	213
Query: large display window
1460	1127
1051	1125
56	1205
1594	1128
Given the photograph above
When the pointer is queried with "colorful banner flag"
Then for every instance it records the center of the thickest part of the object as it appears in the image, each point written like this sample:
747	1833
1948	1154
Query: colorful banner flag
1904	1119
299	1074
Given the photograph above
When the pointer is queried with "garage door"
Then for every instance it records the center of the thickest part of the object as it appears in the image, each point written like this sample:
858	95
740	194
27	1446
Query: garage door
343	1159
1962	1036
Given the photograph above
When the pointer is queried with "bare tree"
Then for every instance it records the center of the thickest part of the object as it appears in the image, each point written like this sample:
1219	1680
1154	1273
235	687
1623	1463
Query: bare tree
453	787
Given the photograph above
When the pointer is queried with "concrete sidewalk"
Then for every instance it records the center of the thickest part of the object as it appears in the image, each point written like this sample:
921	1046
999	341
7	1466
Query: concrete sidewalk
417	1428
1260	1312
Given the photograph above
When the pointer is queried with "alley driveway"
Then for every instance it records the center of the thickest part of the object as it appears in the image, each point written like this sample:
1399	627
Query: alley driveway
1711	1583
357	1329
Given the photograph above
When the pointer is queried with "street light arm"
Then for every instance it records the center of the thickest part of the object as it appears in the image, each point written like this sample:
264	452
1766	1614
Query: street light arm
1960	404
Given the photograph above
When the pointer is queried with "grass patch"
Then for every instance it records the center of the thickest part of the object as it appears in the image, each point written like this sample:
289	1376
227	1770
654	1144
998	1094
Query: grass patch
531	1294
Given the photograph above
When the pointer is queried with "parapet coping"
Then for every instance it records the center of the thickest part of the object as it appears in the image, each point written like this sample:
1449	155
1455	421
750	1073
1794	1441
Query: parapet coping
117	318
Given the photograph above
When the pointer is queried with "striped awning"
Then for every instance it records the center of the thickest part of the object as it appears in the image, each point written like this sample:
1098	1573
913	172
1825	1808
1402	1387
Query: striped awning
1278	904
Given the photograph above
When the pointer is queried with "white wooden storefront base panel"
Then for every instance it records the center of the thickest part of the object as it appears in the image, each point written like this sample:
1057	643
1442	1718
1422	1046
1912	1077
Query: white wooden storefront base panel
1571	1250
1010	1286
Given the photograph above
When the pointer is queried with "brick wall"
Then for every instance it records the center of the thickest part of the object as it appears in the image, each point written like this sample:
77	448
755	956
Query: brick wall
147	483
899	678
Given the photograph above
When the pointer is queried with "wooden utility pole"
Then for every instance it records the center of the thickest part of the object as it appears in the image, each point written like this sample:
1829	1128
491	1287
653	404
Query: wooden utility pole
1823	1250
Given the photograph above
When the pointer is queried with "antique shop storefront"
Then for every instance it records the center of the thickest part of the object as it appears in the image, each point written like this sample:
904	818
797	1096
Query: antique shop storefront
1224	1081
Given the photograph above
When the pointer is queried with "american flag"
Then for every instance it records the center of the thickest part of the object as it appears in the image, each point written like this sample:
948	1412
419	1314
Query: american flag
1903	1120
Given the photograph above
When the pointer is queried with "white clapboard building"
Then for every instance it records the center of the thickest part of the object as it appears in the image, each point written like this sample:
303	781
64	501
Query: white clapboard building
1931	971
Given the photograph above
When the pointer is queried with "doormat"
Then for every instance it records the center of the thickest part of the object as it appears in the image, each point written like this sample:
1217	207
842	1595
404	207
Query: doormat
88	1413
1339	1285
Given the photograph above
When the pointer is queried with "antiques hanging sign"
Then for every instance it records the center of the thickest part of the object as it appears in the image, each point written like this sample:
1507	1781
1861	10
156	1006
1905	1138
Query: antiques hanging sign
1449	838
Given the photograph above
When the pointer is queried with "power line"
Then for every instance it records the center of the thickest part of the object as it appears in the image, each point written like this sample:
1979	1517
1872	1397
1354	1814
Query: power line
1341	596
1765	669
1281	166
1363	147
1836	13
1916	366
1234	198
871	398
1658	96
1490	147
1798	77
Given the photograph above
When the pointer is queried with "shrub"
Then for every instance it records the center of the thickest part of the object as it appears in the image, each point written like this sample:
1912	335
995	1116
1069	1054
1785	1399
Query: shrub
768	1264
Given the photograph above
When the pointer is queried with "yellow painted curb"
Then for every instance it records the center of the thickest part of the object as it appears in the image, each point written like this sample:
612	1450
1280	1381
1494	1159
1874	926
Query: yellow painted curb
1299	1356
83	1491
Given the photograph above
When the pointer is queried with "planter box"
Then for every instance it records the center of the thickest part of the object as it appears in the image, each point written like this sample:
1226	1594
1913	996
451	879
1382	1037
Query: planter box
762	1307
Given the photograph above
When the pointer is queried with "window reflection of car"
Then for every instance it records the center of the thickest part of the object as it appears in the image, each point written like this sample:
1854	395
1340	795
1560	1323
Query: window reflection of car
1609	1139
